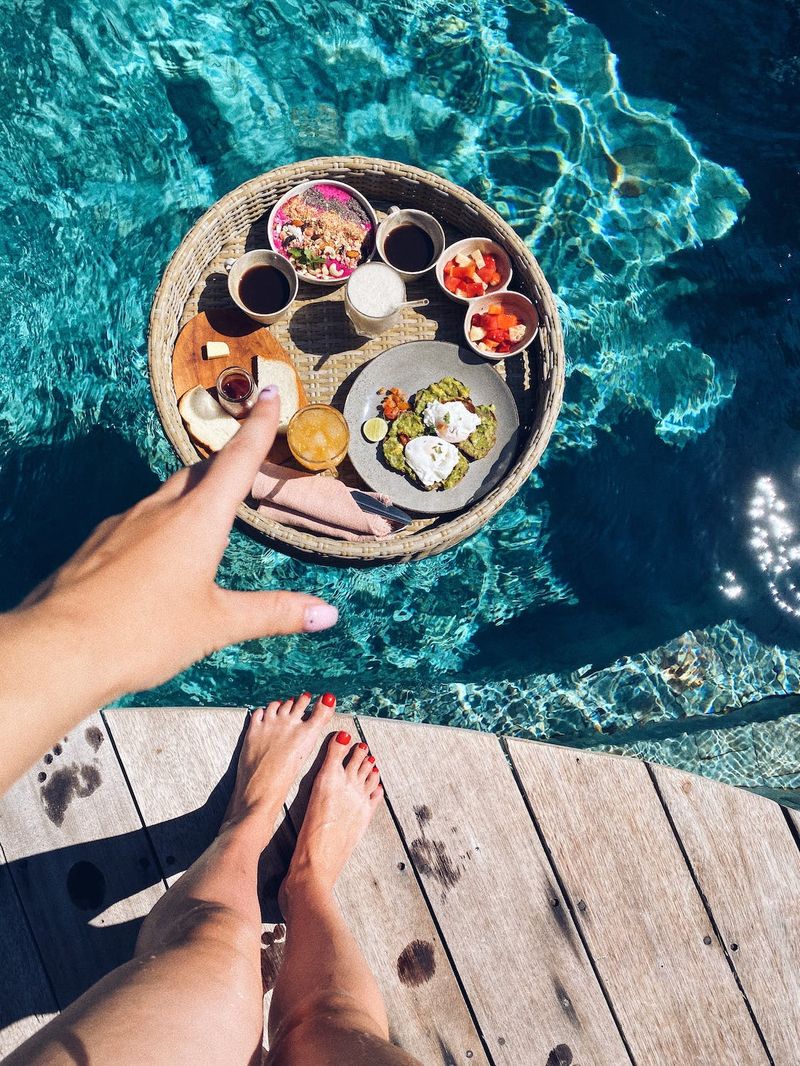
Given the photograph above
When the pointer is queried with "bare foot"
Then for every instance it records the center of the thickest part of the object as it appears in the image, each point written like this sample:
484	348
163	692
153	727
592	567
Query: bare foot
278	742
346	792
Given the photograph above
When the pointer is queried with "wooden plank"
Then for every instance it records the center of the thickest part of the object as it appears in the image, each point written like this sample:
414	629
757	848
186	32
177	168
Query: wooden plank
26	998
748	868
382	903
84	885
642	917
495	897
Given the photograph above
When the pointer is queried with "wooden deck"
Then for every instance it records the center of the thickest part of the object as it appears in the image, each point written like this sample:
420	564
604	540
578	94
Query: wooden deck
520	903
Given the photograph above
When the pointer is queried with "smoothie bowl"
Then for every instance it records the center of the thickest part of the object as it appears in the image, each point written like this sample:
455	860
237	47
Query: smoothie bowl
325	229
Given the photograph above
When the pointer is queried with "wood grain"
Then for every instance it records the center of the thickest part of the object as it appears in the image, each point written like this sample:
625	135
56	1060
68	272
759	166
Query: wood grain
245	338
79	858
383	906
634	897
494	895
748	868
26	998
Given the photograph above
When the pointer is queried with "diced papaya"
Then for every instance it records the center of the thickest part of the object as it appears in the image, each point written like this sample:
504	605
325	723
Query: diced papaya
489	343
494	309
506	321
494	279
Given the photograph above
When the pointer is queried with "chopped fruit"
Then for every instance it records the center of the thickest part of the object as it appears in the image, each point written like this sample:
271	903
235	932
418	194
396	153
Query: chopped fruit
375	429
498	330
471	275
393	404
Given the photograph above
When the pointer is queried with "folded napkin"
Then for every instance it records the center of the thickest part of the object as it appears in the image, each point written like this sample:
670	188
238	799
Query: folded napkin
320	504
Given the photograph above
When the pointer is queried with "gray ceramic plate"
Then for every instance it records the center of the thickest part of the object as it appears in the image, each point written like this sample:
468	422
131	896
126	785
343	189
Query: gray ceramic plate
413	366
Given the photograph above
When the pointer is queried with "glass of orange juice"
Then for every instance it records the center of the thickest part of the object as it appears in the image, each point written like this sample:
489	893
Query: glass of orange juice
318	437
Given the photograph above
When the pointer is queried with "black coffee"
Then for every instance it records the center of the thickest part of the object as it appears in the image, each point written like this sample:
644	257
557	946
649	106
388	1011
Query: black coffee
409	247
264	290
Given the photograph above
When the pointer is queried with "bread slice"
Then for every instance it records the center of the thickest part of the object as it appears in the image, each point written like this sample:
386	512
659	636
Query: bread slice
205	419
276	372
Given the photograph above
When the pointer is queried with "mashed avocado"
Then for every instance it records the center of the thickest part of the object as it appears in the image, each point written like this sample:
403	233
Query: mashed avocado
409	424
444	390
477	445
483	438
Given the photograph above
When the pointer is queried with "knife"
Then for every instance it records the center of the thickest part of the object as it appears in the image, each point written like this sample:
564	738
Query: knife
369	503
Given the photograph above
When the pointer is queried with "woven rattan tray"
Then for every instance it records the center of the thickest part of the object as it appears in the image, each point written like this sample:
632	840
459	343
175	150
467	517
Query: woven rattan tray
326	351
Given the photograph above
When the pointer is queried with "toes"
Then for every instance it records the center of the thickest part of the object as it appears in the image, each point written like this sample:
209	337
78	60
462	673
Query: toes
298	708
270	710
285	708
373	779
338	747
323	709
257	715
376	795
360	759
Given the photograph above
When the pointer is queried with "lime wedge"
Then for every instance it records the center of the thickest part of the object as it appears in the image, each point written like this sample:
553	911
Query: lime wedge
375	429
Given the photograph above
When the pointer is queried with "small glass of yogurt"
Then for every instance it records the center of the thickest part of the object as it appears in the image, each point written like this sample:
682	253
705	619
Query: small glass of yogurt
374	298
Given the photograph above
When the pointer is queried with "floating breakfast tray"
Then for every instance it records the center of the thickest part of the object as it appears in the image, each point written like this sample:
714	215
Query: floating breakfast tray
327	353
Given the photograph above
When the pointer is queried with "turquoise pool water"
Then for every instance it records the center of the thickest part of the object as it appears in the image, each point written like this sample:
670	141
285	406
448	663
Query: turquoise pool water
631	591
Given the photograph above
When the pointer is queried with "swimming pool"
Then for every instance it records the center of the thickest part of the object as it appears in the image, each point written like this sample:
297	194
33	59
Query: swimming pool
619	597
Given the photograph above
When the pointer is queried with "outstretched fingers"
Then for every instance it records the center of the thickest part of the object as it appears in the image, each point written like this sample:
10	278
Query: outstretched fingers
250	615
232	470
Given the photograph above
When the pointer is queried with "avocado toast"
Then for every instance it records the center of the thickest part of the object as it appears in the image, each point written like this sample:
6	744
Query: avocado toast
405	428
411	424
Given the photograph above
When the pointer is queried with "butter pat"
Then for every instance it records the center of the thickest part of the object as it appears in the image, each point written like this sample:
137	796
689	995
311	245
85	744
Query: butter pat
216	349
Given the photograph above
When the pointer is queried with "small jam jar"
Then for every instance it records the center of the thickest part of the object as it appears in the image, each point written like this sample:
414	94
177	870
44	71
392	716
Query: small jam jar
236	391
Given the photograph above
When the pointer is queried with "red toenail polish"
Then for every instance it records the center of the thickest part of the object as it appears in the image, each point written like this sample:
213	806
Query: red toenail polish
374	769
305	696
370	758
342	738
362	745
329	699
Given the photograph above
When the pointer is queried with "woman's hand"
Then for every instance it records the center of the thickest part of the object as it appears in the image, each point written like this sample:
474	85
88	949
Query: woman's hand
138	602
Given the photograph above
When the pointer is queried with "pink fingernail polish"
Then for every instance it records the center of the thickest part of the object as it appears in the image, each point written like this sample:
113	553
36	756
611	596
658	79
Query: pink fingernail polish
320	616
269	393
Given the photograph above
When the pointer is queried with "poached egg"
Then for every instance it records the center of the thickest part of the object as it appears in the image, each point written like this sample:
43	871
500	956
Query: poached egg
431	459
451	420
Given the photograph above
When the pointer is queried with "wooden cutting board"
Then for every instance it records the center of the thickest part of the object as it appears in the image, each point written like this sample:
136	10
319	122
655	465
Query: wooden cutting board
245	338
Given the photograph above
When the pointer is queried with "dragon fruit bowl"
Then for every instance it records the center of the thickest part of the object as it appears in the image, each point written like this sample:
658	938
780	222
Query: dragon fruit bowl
325	229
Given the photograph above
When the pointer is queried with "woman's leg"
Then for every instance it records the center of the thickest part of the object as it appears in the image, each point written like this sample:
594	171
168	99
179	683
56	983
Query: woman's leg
326	1009
192	994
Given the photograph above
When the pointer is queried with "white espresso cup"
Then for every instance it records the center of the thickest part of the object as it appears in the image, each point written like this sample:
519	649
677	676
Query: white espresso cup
260	257
398	217
373	298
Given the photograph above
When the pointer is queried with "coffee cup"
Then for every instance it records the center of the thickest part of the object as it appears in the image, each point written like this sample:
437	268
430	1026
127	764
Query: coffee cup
262	284
410	242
